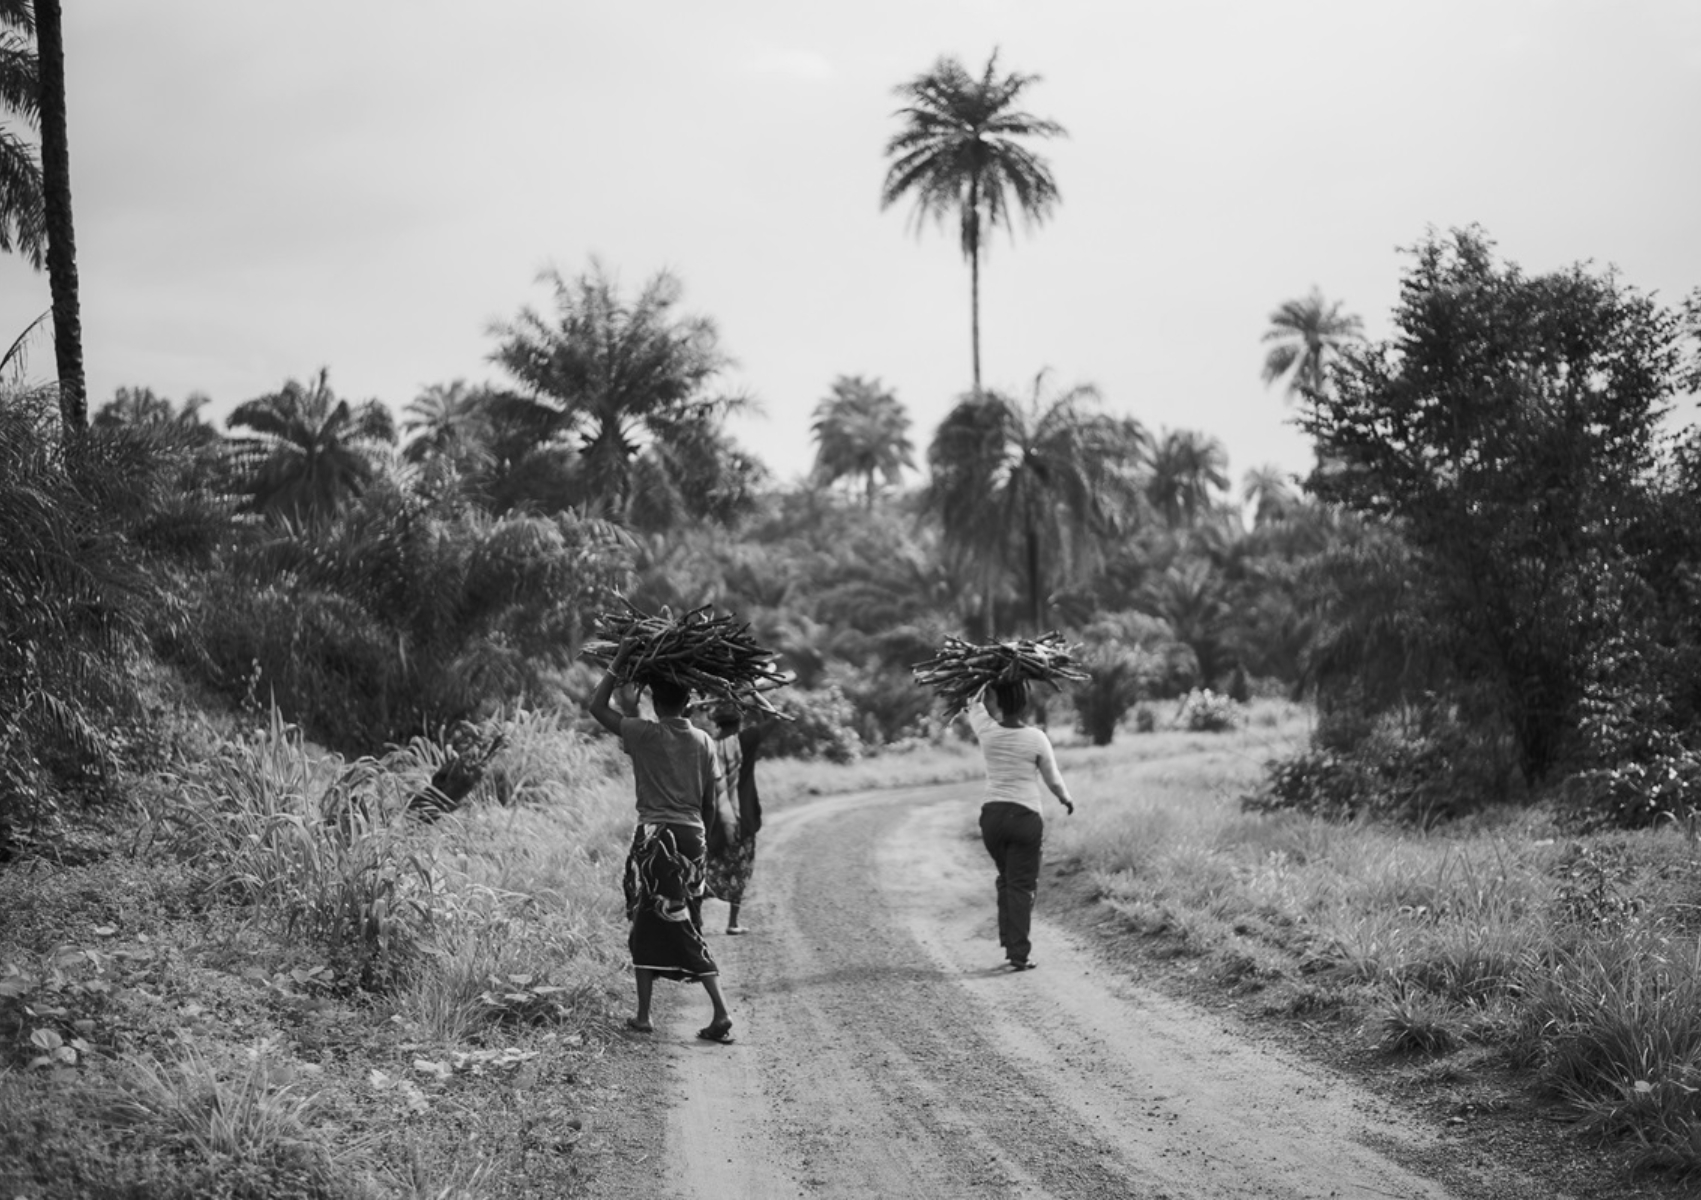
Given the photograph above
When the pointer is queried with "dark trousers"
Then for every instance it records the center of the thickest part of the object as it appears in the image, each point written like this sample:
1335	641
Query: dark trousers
1013	834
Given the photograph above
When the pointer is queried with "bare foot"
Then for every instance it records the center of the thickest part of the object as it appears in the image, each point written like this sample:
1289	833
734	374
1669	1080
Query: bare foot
637	1026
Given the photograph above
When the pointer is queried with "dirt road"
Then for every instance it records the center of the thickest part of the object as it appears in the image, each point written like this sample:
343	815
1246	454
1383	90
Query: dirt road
884	1051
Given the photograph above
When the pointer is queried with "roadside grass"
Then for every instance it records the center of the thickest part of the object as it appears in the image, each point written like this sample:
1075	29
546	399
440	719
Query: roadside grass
281	985
954	758
1573	959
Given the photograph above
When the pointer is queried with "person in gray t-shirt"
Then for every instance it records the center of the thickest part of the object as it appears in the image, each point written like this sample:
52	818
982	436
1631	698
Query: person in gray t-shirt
676	777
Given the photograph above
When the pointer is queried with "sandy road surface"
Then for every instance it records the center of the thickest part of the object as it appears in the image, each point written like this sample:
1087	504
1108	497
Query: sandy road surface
884	1051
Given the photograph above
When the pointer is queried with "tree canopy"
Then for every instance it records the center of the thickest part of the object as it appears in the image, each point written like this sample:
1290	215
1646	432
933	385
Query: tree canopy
308	451
960	153
1034	488
629	383
1304	335
861	431
23	219
1510	432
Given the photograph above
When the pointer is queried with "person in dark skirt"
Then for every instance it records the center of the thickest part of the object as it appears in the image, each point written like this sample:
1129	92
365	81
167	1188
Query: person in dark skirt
675	773
732	860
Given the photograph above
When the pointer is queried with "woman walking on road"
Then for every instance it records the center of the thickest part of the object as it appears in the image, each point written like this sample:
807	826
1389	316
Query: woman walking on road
675	773
732	859
1018	756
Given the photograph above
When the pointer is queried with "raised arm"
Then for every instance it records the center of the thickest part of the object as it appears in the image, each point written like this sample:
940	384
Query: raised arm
599	706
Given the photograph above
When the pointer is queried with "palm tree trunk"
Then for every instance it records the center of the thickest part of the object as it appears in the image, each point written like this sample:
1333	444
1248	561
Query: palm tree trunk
61	240
1035	606
971	234
974	311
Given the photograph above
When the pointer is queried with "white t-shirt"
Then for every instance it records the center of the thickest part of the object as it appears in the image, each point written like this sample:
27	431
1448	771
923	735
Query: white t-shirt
1016	759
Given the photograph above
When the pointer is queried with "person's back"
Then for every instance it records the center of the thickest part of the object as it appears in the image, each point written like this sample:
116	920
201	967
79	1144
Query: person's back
675	778
1018	758
673	768
1015	758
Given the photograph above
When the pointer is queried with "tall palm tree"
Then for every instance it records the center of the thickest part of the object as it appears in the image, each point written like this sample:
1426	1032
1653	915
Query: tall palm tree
959	153
1304	334
1270	493
56	215
1186	468
446	420
23	220
309	451
861	430
621	376
1036	489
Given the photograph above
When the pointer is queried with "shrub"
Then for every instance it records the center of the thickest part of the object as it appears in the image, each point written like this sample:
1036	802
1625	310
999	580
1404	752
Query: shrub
1415	772
406	613
821	724
74	598
888	707
1205	711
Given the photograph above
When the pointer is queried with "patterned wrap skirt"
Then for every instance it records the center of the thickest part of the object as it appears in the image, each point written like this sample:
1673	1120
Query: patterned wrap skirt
664	902
729	870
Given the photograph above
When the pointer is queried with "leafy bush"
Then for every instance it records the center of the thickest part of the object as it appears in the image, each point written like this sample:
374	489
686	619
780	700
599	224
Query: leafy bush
1430	768
822	724
406	613
74	597
1205	711
887	705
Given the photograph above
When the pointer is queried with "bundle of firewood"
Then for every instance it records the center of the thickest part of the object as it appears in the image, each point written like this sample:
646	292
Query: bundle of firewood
716	657
962	668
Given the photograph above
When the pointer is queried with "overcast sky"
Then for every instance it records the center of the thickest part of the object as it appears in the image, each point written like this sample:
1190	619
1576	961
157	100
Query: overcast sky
263	188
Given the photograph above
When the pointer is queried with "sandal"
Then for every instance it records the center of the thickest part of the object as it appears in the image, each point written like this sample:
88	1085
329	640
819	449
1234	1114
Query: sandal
713	1032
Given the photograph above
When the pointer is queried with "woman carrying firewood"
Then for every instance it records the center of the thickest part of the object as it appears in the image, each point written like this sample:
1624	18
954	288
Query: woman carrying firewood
675	773
1018	756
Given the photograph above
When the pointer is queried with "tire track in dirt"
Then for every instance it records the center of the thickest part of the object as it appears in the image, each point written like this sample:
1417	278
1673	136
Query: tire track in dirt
884	1051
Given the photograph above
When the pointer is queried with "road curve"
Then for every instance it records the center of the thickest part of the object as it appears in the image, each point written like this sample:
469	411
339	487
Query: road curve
884	1051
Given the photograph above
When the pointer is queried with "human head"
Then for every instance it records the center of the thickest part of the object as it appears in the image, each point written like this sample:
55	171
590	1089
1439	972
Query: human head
1012	697
669	698
728	717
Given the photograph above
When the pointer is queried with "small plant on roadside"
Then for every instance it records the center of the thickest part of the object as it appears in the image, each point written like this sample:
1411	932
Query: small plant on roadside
524	1000
1414	1022
1205	711
240	1131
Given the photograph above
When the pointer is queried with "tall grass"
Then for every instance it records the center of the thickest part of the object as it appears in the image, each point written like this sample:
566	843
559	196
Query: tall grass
1577	957
321	852
523	882
247	1124
450	937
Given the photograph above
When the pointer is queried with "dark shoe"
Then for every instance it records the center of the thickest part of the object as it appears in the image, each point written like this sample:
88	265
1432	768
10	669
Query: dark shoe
713	1032
1023	964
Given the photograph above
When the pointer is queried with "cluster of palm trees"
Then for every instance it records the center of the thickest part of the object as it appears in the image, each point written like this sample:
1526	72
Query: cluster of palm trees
613	409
